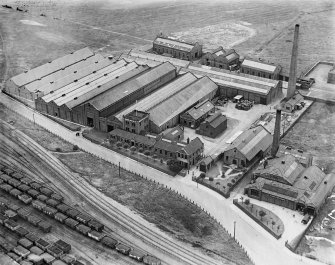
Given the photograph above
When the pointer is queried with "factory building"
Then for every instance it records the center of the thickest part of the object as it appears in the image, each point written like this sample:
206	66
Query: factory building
287	183
213	126
194	116
256	89
221	58
177	49
17	85
187	154
260	69
98	111
136	122
166	114
293	103
252	143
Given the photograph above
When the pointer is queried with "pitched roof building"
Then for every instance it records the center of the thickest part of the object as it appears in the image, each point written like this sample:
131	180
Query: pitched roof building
213	126
260	69
220	58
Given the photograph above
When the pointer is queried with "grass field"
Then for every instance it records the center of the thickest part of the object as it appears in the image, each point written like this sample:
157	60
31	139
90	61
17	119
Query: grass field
160	206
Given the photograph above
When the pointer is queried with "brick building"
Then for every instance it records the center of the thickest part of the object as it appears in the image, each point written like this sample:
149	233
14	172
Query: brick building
220	58
136	122
260	69
213	126
194	116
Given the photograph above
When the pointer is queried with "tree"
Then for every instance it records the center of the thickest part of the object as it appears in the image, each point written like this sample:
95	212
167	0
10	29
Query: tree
133	149
147	152
119	144
278	228
211	179
140	150
262	214
126	146
174	165
247	201
75	148
273	223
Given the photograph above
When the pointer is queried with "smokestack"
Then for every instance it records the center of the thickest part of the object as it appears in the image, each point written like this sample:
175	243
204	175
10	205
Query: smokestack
293	67
276	134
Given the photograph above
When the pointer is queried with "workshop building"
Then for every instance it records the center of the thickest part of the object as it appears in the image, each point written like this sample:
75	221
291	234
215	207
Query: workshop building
221	58
176	48
213	126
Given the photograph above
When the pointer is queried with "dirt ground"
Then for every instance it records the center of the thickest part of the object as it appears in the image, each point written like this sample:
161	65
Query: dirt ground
158	205
37	133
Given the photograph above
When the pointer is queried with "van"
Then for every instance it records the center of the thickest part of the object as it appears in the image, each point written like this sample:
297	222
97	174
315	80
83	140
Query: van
306	219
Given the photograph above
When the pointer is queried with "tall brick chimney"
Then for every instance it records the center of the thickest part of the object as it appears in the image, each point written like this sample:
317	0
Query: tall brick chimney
293	67
276	134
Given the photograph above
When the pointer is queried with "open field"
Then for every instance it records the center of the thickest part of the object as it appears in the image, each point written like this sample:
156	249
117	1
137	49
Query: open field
160	206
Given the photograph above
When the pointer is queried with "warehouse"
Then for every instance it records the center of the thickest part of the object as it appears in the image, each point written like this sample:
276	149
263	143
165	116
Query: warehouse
176	48
213	126
16	85
158	96
257	89
166	114
60	102
221	59
194	116
98	111
287	183
252	143
260	69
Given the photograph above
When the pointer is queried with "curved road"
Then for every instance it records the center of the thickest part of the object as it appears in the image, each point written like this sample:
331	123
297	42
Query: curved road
261	246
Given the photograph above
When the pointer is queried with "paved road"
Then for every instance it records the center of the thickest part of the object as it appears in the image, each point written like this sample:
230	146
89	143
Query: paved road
260	245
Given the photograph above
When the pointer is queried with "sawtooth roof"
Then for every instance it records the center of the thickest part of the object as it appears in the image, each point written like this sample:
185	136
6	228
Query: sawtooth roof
52	66
182	100
112	96
251	141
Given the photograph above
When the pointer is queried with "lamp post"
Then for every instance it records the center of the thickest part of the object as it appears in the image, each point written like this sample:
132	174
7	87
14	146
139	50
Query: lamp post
234	228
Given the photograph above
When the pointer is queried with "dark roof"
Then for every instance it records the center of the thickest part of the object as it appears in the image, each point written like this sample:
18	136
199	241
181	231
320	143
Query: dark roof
112	96
132	136
193	146
200	109
216	119
295	99
168	145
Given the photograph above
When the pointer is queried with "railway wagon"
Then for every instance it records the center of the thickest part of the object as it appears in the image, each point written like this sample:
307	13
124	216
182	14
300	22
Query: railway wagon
8	171
49	211
64	246
33	219
26	199
36	250
48	258
5	178
38	205
11	214
32	237
26	243
13	206
18	175
60	217
72	213
45	226
68	259
24	213
71	223
11	225
55	251
4	201
95	235
46	191
35	185
21	231
3	218
83	218
14	182
63	208
23	188
83	229
97	226
150	260
33	193
57	197
42	243
7	246
1	181
14	256
109	242
26	181
15	192
122	248
51	202
21	251
136	254
35	259
42	198
6	187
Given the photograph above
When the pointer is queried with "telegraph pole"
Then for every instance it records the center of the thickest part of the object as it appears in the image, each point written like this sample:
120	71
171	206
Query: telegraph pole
119	169
234	228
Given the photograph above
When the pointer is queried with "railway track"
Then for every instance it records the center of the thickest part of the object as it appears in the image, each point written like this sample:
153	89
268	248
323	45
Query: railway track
171	251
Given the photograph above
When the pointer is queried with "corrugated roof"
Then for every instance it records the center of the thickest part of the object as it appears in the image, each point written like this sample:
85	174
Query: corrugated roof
259	66
83	81
175	44
54	79
74	94
159	58
124	76
160	95
200	109
52	66
251	141
182	100
110	97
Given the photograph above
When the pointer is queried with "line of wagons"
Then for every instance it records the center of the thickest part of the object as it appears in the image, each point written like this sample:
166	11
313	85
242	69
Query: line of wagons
50	203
